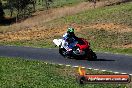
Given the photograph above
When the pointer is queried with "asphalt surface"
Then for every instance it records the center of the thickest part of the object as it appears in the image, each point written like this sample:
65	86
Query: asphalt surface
111	62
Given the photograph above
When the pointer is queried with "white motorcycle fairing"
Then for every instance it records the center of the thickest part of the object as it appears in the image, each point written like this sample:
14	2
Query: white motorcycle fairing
62	44
57	42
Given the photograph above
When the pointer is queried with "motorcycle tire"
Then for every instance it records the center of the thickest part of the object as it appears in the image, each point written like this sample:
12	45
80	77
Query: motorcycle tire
62	51
92	55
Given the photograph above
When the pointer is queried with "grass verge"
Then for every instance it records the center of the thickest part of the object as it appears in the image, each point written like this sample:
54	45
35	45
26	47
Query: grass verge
20	73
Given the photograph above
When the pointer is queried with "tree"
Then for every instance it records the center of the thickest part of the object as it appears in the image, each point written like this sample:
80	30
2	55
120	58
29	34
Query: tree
1	11
22	8
47	3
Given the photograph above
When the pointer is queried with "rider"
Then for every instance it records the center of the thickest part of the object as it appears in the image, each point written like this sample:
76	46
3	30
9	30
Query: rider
69	39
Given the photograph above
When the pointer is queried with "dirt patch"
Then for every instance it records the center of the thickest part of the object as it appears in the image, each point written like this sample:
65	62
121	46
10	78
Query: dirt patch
111	27
31	34
104	26
127	46
36	33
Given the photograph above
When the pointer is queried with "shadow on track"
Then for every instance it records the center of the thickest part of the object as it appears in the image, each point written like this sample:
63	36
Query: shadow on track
101	60
95	59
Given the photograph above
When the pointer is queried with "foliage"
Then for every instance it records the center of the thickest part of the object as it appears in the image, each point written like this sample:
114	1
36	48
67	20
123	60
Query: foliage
1	11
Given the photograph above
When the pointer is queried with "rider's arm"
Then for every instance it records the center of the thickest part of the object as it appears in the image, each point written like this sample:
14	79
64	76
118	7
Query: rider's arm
65	36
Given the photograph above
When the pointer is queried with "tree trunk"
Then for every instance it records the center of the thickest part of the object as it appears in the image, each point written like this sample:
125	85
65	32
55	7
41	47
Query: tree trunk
46	4
34	5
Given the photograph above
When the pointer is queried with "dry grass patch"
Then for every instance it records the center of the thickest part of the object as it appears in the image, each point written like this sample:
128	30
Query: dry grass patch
111	27
36	33
32	34
124	46
128	46
43	33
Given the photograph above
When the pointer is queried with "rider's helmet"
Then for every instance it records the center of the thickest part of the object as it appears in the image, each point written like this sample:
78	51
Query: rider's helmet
70	34
70	30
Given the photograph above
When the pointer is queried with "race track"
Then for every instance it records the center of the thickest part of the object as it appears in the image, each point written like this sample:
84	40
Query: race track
111	62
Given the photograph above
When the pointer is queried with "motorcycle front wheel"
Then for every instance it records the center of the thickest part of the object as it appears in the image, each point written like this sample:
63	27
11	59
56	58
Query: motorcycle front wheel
62	51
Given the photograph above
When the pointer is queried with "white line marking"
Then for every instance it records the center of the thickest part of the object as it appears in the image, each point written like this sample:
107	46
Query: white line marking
60	64
90	68
103	70
96	69
68	65
116	72
123	73
83	67
75	66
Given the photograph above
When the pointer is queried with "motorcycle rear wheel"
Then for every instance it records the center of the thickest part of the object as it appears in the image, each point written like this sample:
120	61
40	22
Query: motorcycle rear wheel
92	55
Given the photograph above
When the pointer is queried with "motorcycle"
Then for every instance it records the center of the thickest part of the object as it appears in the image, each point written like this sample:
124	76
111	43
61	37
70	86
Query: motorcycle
81	49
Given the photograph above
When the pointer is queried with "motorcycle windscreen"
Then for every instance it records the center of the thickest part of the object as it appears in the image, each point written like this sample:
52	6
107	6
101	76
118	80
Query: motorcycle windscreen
57	42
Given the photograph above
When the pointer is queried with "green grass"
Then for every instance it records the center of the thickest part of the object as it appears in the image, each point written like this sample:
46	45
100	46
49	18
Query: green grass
20	73
32	43
57	3
61	3
119	14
